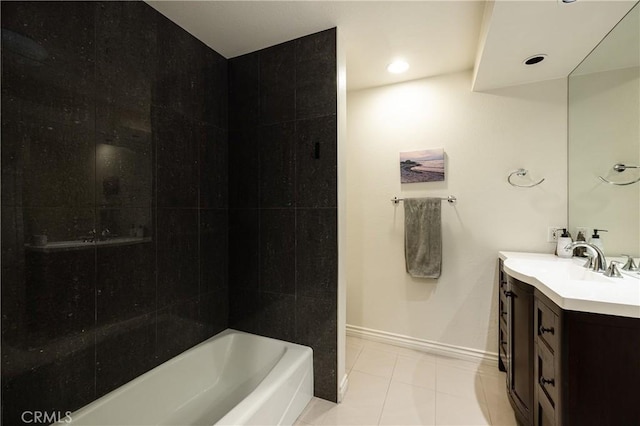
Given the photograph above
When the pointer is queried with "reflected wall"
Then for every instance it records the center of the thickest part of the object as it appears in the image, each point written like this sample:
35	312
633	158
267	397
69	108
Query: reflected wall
604	130
114	149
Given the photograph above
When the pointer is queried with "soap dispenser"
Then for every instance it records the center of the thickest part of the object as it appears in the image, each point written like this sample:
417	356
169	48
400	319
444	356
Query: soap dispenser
596	240
563	241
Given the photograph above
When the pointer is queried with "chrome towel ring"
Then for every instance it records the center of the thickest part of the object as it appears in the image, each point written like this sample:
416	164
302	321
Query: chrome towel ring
619	167
522	173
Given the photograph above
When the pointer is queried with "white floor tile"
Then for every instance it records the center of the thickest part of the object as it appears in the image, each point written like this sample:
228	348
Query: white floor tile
416	371
453	410
502	415
375	362
459	382
478	367
409	405
352	353
363	402
398	350
390	385
355	341
495	389
315	411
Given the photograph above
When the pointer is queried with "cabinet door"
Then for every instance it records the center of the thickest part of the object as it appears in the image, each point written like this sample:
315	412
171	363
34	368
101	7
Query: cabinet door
520	348
503	335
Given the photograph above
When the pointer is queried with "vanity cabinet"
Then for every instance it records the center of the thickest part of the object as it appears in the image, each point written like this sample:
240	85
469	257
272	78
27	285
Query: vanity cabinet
516	343
567	368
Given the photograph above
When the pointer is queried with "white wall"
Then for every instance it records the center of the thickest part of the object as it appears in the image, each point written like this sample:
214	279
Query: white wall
485	136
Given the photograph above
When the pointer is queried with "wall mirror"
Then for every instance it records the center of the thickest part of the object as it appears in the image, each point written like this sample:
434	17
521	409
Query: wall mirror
604	131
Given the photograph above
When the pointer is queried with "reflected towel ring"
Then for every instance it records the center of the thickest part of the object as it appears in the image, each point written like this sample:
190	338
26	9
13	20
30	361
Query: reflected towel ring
619	167
521	173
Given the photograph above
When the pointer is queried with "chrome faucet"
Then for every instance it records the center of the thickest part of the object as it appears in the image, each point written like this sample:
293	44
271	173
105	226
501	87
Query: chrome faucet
599	263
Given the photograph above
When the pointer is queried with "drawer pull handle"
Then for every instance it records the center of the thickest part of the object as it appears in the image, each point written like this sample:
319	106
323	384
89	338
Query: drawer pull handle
543	330
544	381
503	313
508	294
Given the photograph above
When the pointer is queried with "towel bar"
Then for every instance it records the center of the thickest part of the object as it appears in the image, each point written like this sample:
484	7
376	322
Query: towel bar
450	199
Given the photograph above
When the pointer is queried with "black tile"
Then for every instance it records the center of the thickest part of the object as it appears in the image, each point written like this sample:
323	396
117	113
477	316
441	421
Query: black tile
244	310
126	54
325	375
177	160
244	91
60	292
48	57
277	84
58	165
59	223
277	165
216	89
12	237
244	251
56	383
277	250
214	250
277	316
317	253
214	171
316	323
124	168
214	312
124	351
12	155
177	255
244	170
191	78
316	162
126	281
178	329
244	248
316	46
316	75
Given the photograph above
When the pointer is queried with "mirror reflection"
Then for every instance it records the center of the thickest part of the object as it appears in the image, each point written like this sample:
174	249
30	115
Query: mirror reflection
604	141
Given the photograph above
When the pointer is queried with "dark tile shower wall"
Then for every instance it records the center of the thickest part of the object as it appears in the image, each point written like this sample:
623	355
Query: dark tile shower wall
283	197
112	117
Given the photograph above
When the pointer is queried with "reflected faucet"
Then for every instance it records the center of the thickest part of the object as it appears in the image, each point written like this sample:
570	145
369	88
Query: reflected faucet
599	263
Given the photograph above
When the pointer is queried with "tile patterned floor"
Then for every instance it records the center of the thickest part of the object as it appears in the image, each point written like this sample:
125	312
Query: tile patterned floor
390	385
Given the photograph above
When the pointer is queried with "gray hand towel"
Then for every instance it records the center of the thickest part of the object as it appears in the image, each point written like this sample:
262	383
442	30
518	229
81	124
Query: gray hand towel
423	237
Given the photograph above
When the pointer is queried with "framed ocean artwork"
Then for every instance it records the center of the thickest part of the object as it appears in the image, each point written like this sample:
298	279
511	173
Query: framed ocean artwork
422	166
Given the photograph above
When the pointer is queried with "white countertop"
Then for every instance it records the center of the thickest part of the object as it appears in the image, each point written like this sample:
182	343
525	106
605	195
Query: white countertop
572	287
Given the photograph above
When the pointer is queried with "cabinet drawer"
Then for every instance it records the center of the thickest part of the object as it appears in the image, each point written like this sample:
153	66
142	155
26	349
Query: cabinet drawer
546	326
545	414
547	384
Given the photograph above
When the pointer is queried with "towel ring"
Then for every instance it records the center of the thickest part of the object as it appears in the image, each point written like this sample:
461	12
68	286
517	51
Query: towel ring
521	173
619	167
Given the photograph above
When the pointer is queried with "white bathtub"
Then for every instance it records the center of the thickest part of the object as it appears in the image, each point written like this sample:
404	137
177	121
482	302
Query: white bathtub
233	378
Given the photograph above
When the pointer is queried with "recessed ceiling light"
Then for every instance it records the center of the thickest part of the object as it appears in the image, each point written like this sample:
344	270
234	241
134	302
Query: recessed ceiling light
397	67
568	1
535	59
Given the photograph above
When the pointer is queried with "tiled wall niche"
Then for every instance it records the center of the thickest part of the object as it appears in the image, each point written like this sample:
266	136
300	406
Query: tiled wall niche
121	120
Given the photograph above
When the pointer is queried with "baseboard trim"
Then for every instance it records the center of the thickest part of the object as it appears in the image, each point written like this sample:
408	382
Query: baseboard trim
422	345
342	390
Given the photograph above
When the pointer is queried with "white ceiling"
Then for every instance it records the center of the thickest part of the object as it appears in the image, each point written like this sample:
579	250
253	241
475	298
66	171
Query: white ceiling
517	30
435	37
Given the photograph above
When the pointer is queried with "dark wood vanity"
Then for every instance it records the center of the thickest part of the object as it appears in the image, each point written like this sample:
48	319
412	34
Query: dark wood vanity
566	367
